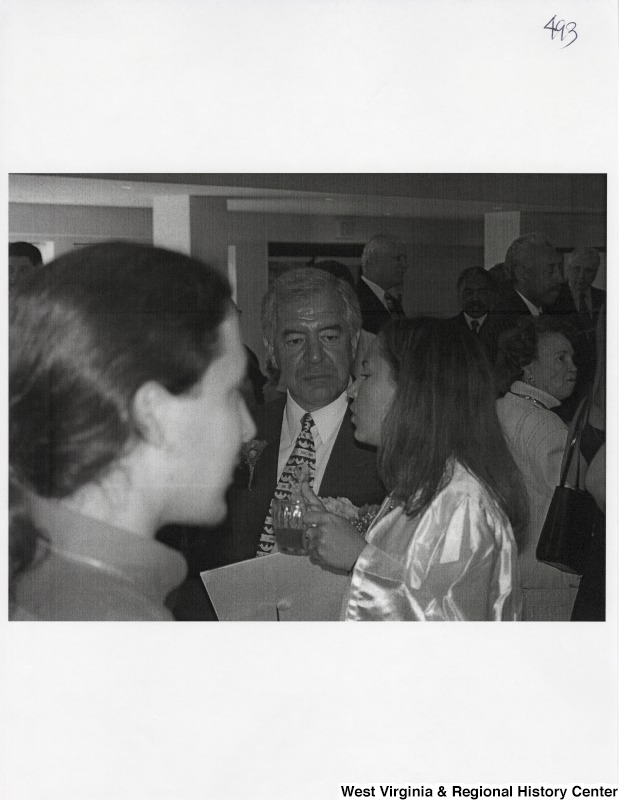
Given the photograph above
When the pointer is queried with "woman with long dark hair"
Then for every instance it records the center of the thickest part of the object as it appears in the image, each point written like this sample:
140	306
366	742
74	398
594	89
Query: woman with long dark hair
442	546
125	413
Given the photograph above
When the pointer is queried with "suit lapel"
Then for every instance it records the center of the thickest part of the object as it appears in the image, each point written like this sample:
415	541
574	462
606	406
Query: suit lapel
517	305
269	424
249	507
349	459
370	301
598	296
373	312
337	458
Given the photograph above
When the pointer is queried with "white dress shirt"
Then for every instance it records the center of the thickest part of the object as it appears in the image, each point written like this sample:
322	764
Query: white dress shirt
533	309
469	320
327	423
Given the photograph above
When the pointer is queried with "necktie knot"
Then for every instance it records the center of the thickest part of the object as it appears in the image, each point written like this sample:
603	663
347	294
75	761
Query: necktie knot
582	303
307	422
394	305
475	326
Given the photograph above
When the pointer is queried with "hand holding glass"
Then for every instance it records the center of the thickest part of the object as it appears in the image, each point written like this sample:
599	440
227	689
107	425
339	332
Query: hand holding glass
288	526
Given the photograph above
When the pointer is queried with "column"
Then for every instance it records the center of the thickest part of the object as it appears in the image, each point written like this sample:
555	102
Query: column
209	231
172	223
500	230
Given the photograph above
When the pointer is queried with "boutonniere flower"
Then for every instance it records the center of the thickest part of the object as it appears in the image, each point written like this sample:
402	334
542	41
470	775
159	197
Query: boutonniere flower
250	453
361	518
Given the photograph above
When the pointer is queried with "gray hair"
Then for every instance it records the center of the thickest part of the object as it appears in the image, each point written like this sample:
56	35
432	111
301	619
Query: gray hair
377	244
520	251
587	254
299	283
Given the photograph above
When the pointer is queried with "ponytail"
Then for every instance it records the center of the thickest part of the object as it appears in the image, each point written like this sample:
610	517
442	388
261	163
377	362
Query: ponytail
27	544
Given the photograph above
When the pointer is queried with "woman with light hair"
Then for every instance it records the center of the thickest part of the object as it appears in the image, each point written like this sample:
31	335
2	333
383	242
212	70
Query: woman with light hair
537	372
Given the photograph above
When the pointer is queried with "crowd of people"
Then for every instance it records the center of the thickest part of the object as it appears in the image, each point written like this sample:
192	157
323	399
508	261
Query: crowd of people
129	395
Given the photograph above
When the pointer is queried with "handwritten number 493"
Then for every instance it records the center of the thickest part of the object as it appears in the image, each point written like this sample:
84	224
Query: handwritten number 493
563	29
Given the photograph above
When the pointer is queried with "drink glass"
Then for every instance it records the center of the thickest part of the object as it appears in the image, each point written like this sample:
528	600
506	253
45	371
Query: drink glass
288	526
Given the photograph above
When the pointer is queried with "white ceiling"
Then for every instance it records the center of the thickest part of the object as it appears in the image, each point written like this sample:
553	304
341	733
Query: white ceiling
24	188
99	192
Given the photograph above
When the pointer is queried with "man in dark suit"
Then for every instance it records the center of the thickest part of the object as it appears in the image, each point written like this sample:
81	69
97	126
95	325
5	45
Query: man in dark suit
579	303
311	325
500	278
577	295
476	295
379	290
534	267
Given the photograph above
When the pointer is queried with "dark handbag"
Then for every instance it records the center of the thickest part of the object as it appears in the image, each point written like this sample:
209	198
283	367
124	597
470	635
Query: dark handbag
566	536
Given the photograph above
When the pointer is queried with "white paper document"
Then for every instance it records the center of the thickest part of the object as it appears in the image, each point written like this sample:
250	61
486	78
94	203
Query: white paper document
278	587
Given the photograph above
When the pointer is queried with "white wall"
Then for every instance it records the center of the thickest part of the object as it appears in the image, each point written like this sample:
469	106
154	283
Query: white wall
437	252
68	226
437	249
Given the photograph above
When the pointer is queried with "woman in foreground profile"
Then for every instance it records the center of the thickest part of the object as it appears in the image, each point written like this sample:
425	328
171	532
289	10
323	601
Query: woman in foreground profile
125	414
442	545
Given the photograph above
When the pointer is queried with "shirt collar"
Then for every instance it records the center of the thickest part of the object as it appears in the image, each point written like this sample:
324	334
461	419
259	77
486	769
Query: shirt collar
326	419
378	290
526	389
145	562
535	310
480	320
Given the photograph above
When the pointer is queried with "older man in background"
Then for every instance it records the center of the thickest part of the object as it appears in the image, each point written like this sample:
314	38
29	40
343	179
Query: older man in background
311	323
379	289
579	303
476	297
534	268
583	264
383	267
578	295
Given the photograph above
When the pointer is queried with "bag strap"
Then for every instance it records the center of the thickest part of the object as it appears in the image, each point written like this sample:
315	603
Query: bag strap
572	444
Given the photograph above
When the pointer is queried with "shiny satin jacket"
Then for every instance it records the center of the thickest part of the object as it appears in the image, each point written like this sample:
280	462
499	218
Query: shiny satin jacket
455	561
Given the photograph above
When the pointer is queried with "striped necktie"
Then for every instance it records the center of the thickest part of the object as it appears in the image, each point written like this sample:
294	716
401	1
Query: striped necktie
303	452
